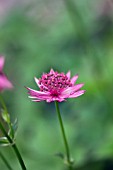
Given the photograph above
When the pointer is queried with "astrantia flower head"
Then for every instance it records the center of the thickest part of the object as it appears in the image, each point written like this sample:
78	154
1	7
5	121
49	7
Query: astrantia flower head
56	86
4	82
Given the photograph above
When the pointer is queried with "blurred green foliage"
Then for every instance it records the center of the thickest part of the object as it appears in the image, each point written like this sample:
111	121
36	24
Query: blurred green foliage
63	35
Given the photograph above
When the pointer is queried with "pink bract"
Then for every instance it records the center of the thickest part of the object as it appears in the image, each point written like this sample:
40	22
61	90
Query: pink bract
4	82
56	86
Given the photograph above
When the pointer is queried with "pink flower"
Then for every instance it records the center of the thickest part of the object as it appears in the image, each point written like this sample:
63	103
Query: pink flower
55	86
4	82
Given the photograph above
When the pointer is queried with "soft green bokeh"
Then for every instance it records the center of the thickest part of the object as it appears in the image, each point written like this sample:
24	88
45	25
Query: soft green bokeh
63	35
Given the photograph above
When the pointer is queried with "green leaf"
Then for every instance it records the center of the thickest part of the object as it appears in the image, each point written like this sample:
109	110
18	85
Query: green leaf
12	129
4	141
15	125
5	116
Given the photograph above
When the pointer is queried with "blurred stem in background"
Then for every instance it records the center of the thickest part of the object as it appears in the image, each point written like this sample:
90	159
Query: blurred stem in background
69	162
89	48
10	139
76	19
5	161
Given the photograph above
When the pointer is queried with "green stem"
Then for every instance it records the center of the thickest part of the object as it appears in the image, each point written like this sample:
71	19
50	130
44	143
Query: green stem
9	139
3	104
7	114
19	157
14	147
5	161
64	136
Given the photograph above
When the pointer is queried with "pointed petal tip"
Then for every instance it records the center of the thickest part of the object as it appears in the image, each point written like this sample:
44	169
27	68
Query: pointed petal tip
77	75
68	74
35	78
10	85
77	94
26	87
74	79
2	60
84	91
52	71
78	86
36	100
37	81
81	84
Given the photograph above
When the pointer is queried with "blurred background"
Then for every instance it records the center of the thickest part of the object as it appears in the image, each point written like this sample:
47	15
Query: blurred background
38	35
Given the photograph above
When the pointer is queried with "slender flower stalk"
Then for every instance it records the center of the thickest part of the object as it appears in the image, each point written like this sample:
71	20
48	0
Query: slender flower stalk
9	138
5	161
3	104
6	115
14	147
68	157
57	87
6	84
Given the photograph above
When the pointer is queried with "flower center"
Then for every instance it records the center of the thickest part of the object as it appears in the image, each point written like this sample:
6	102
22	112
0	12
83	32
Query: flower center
54	82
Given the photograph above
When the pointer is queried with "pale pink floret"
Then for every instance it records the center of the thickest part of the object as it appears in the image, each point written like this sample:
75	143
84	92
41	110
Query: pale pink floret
56	86
4	82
